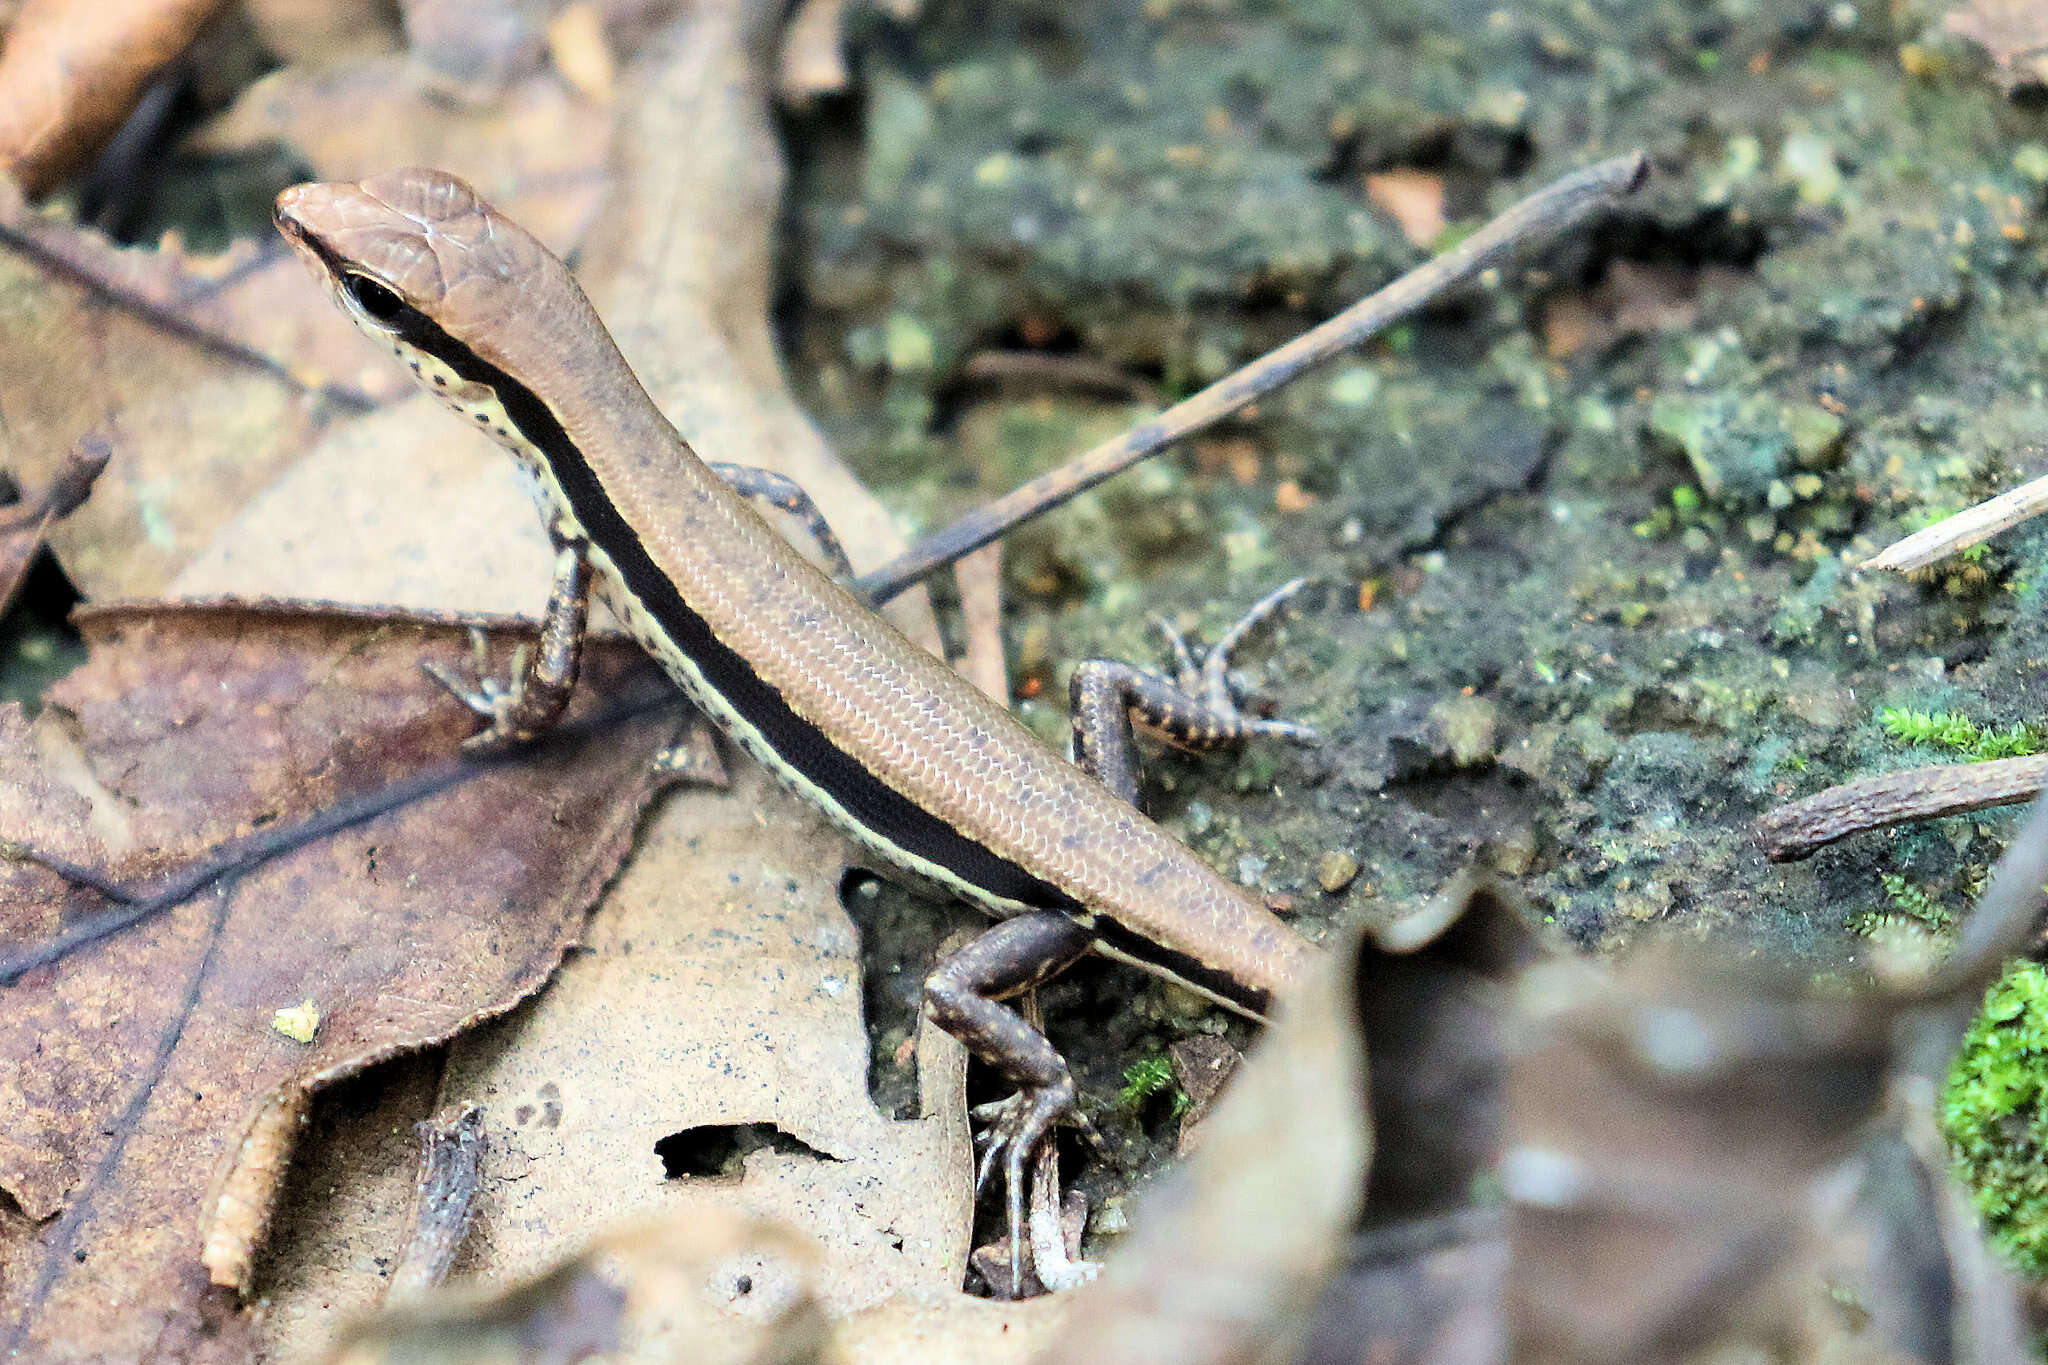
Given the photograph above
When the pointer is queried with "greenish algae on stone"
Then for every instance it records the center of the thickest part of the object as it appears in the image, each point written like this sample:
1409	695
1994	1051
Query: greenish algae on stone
1618	495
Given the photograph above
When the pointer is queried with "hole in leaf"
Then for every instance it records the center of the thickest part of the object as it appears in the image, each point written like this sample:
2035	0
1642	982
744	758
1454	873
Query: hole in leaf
718	1151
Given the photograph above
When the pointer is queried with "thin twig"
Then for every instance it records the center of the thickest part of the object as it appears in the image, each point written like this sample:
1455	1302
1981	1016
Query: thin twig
1799	828
67	491
1964	529
1546	213
452	1149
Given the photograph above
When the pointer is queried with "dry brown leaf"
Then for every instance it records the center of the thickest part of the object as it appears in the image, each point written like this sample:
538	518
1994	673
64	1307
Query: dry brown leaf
194	431
157	1089
720	988
1630	299
699	1287
2013	32
1680	1135
703	1287
70	74
248	305
1413	199
392	508
537	151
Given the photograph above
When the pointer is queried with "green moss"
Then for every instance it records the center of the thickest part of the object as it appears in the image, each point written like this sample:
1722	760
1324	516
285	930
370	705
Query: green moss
1148	1077
1905	901
1995	1114
1959	734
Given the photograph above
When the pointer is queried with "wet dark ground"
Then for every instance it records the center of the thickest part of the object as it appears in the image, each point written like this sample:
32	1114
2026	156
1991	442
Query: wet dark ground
1585	538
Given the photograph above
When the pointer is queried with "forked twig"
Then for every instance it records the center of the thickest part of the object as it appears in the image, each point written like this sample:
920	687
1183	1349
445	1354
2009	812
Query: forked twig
1546	213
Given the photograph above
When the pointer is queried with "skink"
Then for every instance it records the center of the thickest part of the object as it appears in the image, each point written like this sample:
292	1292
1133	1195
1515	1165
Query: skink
912	762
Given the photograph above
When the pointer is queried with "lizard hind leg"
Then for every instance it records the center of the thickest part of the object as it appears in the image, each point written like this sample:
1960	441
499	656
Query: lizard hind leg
1196	710
964	995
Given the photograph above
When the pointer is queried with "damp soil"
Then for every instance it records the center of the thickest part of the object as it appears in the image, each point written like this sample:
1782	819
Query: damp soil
1584	537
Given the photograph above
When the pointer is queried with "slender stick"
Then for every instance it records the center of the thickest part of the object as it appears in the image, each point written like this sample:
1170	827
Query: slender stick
1799	828
1546	213
452	1149
1964	529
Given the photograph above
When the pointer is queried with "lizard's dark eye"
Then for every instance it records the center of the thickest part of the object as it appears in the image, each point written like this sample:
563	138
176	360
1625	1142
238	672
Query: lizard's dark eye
373	298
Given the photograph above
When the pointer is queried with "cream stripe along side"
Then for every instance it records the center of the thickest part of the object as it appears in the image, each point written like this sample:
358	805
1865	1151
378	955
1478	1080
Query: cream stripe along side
469	392
913	762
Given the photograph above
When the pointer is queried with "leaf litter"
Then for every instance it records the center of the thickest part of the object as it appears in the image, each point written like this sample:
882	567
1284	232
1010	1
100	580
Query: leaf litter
156	1103
95	781
388	509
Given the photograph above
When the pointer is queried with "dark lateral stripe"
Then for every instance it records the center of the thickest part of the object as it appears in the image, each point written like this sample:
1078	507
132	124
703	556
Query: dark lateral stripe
893	818
1190	969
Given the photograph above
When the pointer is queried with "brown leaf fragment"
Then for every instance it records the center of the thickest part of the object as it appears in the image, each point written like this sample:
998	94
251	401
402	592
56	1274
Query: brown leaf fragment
247	305
1679	1133
70	74
152	1106
690	1288
193	431
1413	198
1225	1260
1631	299
537	150
2013	32
706	1048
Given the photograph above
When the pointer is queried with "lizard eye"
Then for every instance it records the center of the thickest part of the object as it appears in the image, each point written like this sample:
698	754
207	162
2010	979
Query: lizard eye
373	298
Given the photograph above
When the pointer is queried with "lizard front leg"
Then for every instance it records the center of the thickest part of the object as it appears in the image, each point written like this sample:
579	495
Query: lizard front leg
531	698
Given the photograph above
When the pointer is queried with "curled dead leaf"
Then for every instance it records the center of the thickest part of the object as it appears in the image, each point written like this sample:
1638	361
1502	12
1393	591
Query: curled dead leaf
154	1104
